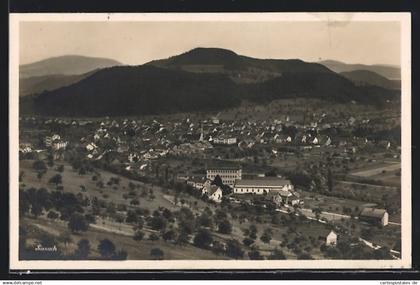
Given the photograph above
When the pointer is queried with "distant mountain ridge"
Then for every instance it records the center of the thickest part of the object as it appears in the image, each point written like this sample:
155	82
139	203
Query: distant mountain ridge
198	80
388	71
366	77
65	65
39	84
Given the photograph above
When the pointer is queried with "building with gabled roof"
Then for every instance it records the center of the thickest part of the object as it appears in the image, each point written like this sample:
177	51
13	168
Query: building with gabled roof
375	216
263	185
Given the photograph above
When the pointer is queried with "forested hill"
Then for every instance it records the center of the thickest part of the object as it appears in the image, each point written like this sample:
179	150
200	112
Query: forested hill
199	80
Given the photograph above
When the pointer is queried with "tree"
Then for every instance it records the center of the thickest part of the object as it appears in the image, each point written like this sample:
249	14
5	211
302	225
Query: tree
252	232
205	220
60	168
52	215
39	175
266	236
132	217
21	175
50	160
153	237
24	203
77	223
120	255
247	241
39	166
169	235
317	212
233	249
217	181
225	227
203	238
138	235
157	223
65	238
106	248
47	240
330	181
36	208
255	255
156	253
83	249
56	179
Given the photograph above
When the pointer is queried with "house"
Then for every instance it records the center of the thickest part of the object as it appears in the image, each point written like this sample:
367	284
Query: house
263	185
225	141
91	147
374	216
198	182
25	148
57	145
285	197
213	192
331	239
228	174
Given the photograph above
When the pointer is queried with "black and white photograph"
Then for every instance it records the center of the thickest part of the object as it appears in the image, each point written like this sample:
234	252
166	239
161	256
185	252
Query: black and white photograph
210	141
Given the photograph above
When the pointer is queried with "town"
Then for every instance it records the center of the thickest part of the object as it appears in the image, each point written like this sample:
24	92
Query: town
295	179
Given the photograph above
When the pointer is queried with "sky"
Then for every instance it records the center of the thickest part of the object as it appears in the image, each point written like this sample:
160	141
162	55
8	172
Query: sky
136	43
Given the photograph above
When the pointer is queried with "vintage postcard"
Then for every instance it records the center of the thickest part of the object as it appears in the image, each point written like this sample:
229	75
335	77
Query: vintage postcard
210	141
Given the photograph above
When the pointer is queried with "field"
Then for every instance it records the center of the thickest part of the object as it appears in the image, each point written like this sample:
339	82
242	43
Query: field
72	182
139	250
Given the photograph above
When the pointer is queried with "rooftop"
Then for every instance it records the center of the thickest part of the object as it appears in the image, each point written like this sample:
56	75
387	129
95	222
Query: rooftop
372	212
266	181
216	166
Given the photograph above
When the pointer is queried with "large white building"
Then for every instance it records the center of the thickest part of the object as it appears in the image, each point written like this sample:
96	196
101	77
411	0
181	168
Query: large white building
262	185
228	174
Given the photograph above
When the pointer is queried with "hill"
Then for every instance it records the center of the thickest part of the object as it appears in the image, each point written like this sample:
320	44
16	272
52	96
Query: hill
135	90
65	65
326	86
239	68
366	77
390	72
39	84
211	83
